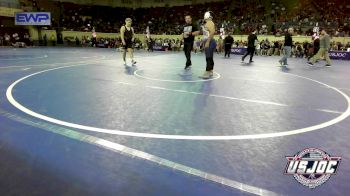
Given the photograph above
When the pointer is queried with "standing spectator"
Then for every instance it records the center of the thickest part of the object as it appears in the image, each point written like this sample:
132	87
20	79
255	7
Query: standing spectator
150	44
228	44
219	45
288	42
16	38
263	48
1	40
53	40
257	48
276	48
94	37
45	40
26	39
77	42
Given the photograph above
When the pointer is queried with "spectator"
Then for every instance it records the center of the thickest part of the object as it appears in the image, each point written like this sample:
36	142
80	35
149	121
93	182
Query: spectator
53	40
1	40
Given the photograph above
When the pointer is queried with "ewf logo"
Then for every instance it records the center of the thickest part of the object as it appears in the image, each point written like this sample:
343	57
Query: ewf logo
33	18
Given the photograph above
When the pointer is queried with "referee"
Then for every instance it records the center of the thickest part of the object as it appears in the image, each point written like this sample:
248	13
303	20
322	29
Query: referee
189	31
251	47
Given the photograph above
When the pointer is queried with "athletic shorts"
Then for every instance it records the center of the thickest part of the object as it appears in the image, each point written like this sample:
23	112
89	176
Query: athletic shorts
128	44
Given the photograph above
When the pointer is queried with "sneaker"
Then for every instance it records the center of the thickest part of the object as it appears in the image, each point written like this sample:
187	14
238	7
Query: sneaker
124	63
328	65
280	63
188	67
311	64
251	61
211	73
242	60
206	75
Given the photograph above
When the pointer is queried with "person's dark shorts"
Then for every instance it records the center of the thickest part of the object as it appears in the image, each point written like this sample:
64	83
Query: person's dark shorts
128	44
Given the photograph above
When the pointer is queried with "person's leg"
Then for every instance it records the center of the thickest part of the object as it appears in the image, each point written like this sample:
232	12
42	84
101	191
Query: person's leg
187	51
131	55
317	56
328	60
315	51
225	50
311	54
288	53
209	54
190	48
281	61
252	50
246	54
124	54
229	50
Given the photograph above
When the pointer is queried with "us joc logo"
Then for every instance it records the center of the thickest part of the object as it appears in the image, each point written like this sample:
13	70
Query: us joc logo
312	167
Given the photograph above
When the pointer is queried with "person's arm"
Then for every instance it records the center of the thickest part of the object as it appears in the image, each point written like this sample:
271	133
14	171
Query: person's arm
211	28
182	36
122	31
196	31
133	34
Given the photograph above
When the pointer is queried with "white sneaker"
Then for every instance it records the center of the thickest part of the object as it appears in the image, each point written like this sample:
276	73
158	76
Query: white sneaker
133	62
211	73
280	63
206	75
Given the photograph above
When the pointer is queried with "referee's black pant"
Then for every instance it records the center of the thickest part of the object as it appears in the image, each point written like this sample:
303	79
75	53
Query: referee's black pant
250	50
188	46
227	50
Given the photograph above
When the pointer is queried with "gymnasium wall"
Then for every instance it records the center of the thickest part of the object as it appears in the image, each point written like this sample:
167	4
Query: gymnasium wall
139	3
74	34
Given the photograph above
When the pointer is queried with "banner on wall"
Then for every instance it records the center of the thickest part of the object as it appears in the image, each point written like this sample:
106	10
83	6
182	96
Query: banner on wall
8	12
33	18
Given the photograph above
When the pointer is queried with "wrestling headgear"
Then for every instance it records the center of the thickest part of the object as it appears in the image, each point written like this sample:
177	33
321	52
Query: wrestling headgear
208	15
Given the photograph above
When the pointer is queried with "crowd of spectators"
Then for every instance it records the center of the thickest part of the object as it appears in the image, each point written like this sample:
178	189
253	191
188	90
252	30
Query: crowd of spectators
263	48
15	37
333	15
239	19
